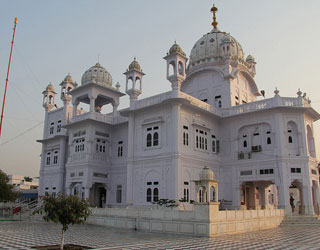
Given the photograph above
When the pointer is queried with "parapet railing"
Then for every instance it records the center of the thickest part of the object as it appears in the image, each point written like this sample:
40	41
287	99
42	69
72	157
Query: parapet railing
105	118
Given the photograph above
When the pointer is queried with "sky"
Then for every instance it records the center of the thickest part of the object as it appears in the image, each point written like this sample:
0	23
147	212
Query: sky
54	38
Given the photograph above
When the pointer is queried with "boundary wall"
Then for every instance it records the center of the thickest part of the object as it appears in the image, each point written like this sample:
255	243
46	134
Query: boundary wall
199	220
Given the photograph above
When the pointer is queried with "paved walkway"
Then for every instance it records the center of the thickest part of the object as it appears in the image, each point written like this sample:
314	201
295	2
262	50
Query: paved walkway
23	235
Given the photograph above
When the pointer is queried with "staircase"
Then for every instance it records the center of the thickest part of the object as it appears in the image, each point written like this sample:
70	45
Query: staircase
300	220
25	210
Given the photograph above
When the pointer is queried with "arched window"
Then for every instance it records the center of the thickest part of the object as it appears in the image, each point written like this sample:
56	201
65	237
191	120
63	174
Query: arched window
171	70
130	83
45	99
245	144
149	140
213	146
138	83
155	194
155	139
290	139
212	194
268	140
50	99
201	195
149	194
181	69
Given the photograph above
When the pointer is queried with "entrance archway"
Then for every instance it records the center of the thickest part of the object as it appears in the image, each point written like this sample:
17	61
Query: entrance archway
295	191
258	195
98	195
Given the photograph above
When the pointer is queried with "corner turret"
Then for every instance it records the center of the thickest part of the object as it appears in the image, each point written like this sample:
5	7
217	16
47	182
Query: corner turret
48	97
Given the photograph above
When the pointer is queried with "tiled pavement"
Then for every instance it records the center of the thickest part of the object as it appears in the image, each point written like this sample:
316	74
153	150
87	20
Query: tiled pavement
23	235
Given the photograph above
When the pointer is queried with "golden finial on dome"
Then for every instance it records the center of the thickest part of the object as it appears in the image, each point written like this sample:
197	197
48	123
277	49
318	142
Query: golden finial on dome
214	9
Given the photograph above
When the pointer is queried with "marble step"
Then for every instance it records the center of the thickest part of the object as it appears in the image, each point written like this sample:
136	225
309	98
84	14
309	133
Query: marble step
300	220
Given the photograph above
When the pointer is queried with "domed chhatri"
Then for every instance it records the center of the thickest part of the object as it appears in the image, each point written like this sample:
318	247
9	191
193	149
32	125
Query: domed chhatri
134	65
68	78
175	48
250	59
206	174
97	74
50	87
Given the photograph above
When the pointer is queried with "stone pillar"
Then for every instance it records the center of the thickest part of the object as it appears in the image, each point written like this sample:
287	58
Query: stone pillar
307	199
236	195
62	161
75	104
284	198
92	103
45	130
115	109
176	143
262	196
131	136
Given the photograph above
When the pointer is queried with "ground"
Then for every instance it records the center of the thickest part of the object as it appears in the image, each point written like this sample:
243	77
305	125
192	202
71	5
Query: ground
23	235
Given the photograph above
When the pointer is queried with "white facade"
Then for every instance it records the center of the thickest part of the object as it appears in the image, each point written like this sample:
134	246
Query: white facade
157	147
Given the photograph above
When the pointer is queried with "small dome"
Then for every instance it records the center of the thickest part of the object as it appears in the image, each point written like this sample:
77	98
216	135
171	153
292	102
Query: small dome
68	78
50	87
134	65
250	58
206	174
97	74
176	48
207	48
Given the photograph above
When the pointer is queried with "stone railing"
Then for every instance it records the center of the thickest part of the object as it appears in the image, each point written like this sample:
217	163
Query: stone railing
200	104
247	214
276	101
153	100
106	118
157	99
93	116
90	157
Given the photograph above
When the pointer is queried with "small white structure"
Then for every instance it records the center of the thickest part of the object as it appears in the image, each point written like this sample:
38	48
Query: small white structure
207	187
19	182
257	148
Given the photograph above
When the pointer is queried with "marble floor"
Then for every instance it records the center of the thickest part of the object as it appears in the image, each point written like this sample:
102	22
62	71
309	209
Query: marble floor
24	235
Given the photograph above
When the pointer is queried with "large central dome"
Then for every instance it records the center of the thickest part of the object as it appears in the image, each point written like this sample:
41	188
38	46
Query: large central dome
209	48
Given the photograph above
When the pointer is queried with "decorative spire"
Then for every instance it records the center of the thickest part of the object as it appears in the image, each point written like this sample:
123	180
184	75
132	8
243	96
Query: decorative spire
214	9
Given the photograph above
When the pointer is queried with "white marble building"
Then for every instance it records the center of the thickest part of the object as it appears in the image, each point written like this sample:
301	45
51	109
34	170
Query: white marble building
157	147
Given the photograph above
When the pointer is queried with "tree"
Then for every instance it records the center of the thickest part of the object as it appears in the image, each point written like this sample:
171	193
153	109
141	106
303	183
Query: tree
66	210
6	190
27	178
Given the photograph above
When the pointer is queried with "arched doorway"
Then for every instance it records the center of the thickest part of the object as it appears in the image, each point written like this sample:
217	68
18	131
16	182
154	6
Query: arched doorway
98	195
295	191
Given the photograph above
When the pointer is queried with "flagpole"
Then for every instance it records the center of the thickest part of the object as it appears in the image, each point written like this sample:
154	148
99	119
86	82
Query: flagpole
5	90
